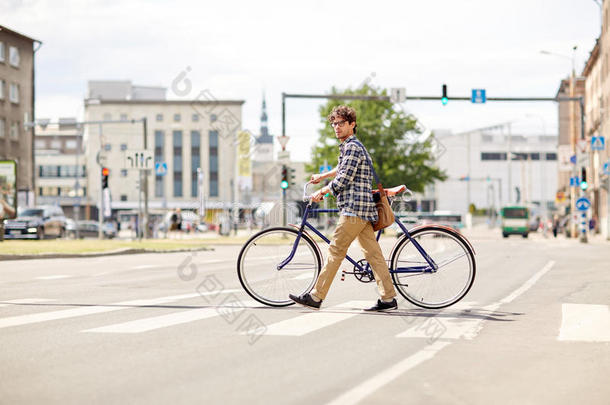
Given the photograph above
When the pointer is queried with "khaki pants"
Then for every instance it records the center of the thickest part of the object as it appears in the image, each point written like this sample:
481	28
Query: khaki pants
347	230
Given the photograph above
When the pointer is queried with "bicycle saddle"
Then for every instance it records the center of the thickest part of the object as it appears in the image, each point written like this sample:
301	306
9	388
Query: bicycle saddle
390	192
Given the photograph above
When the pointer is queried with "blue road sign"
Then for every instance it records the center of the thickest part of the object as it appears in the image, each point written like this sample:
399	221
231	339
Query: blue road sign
583	204
478	96
324	169
598	143
573	159
607	168
574	181
160	168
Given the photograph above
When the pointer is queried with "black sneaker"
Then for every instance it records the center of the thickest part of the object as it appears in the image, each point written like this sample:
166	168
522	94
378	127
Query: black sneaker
383	306
306	301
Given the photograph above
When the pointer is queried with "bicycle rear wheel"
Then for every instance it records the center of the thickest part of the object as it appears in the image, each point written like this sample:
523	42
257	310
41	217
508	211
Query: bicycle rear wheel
442	287
257	266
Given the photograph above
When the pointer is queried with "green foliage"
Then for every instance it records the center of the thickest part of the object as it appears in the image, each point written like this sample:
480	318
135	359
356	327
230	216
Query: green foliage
391	136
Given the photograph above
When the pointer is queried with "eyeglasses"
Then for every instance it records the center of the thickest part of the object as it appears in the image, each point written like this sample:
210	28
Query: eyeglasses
337	123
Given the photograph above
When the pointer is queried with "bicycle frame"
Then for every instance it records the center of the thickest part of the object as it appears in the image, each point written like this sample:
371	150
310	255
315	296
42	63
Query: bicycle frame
430	268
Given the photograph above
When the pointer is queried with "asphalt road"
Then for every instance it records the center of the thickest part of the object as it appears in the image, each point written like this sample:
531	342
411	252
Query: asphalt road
176	328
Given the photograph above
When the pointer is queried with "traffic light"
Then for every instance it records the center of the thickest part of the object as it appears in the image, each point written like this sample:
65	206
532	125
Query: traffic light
583	176
444	98
284	182
105	173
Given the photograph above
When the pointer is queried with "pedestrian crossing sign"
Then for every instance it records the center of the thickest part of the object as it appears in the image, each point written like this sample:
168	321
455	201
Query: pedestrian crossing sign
598	143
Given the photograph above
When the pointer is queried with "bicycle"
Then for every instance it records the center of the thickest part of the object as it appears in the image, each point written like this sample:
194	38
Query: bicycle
432	266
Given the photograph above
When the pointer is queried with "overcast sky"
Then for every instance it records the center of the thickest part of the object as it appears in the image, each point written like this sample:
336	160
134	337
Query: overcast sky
238	49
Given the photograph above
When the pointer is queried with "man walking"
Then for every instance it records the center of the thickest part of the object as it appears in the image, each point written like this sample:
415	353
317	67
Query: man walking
352	188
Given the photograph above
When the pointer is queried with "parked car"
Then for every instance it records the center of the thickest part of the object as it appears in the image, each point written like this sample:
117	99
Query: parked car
90	229
36	223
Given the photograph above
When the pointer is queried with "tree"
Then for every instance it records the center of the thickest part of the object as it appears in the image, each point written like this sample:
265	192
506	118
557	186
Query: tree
400	152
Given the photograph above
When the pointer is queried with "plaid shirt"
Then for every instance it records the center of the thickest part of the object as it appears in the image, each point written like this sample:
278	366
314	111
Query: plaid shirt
352	184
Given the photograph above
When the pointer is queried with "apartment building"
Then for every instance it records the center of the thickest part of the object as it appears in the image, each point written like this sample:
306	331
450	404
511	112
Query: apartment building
183	135
17	107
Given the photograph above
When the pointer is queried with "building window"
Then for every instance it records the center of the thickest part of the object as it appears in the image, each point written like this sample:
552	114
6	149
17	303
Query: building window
107	147
40	144
107	117
213	142
177	118
13	94
14	130
2	127
195	117
177	142
159	148
56	144
13	56
71	144
2	52
195	160
2	91
493	155
159	117
551	156
123	146
123	172
123	117
123	197
213	117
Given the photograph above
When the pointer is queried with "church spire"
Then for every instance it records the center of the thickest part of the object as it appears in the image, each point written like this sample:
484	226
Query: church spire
264	128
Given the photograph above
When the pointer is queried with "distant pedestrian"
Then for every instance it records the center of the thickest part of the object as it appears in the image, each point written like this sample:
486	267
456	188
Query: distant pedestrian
555	225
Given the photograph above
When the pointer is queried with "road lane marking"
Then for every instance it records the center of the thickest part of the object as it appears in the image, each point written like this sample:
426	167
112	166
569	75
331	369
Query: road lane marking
528	284
304	324
24	301
56	277
164	321
371	385
96	309
585	323
362	391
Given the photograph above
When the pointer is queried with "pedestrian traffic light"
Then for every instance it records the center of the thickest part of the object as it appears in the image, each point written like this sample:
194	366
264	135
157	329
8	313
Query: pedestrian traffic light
444	98
284	182
583	183
105	173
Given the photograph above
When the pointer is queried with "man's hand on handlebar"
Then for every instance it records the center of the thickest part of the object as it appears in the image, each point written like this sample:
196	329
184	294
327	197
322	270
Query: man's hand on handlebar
316	178
319	195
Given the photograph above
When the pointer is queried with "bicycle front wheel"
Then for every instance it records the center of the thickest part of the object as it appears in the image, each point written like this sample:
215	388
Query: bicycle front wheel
428	288
258	261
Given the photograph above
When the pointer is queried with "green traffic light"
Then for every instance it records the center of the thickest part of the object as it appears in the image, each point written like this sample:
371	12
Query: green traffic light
444	100
583	185
284	184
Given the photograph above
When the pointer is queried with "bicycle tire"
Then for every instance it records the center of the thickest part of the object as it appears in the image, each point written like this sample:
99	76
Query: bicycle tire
270	257
423	289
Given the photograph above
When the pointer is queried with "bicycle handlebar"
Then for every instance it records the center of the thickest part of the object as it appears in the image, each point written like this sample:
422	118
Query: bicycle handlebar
407	197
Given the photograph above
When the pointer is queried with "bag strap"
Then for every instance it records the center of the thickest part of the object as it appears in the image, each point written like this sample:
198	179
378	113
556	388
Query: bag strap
366	155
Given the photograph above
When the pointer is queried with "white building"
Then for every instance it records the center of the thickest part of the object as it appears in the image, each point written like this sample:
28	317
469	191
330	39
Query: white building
480	173
182	134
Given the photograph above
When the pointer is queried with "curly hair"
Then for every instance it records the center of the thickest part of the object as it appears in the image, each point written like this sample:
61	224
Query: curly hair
345	112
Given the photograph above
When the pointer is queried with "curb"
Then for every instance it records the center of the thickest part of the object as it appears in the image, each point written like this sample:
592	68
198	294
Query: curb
117	252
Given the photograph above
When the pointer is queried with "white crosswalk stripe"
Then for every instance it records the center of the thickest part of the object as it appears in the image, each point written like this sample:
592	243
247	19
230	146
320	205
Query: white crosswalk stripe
585	323
164	321
24	301
304	324
96	309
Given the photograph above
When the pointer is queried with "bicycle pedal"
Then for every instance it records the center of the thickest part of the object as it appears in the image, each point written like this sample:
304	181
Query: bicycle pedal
342	275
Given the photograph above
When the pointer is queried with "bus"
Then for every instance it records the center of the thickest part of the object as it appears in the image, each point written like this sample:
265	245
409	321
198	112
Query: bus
515	221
